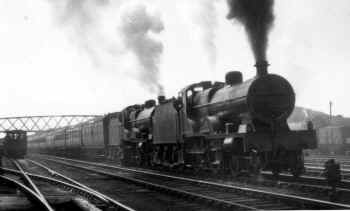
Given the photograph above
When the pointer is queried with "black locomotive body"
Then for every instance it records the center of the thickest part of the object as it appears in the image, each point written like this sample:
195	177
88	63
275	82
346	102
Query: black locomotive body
231	126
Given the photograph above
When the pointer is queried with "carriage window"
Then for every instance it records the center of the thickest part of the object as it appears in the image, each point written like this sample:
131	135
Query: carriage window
189	93
243	128
198	89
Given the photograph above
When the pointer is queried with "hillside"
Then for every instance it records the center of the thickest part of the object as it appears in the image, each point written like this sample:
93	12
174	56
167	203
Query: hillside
320	119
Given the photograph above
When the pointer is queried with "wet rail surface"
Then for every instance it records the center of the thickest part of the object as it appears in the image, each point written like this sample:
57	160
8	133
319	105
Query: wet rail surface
59	194
27	199
315	165
321	159
81	187
225	195
135	196
21	181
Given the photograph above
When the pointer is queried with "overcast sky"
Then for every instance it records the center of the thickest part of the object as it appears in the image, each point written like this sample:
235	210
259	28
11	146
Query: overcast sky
56	59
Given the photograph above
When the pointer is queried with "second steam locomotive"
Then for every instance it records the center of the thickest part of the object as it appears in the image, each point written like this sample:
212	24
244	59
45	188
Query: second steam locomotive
229	126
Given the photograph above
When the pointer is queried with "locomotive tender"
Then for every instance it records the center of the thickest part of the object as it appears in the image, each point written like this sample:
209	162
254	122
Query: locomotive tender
228	126
15	144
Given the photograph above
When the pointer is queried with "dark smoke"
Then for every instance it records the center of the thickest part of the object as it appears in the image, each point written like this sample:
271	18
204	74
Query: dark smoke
257	18
138	28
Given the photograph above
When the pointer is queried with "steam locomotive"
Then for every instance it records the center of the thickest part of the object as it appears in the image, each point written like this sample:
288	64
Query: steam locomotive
229	126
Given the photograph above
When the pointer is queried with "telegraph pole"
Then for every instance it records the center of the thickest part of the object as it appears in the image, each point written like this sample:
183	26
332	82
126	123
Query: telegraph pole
330	112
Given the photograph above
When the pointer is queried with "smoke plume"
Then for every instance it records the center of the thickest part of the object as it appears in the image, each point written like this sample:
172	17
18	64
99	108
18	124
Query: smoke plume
207	21
138	28
91	26
257	18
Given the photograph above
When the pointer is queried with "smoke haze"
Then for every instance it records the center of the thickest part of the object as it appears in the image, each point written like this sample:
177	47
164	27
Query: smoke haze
206	18
257	18
138	28
79	18
94	28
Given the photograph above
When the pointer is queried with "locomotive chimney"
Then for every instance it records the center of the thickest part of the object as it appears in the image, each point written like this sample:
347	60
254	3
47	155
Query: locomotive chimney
161	99
261	68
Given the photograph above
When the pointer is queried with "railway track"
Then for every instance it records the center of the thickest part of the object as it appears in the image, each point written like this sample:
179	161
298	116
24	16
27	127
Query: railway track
343	160
317	170
315	165
38	188
226	196
344	164
134	196
111	202
26	185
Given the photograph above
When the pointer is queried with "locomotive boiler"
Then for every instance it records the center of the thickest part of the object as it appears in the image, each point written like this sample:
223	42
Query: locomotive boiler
261	102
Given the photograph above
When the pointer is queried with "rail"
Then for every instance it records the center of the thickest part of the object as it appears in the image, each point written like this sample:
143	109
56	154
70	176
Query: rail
30	183
33	196
74	188
78	184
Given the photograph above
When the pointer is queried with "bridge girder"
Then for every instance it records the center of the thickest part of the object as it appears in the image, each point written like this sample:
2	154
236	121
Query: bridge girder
42	123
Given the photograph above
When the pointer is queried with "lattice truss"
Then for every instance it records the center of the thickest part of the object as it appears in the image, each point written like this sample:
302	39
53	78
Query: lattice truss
42	123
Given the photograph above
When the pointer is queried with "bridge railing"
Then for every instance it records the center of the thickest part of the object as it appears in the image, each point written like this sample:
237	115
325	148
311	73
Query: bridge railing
42	123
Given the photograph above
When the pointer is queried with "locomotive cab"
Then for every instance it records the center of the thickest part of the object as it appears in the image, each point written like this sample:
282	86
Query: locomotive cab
189	92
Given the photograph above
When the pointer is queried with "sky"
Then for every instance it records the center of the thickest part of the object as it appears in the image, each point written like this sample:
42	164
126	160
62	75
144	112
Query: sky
69	56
